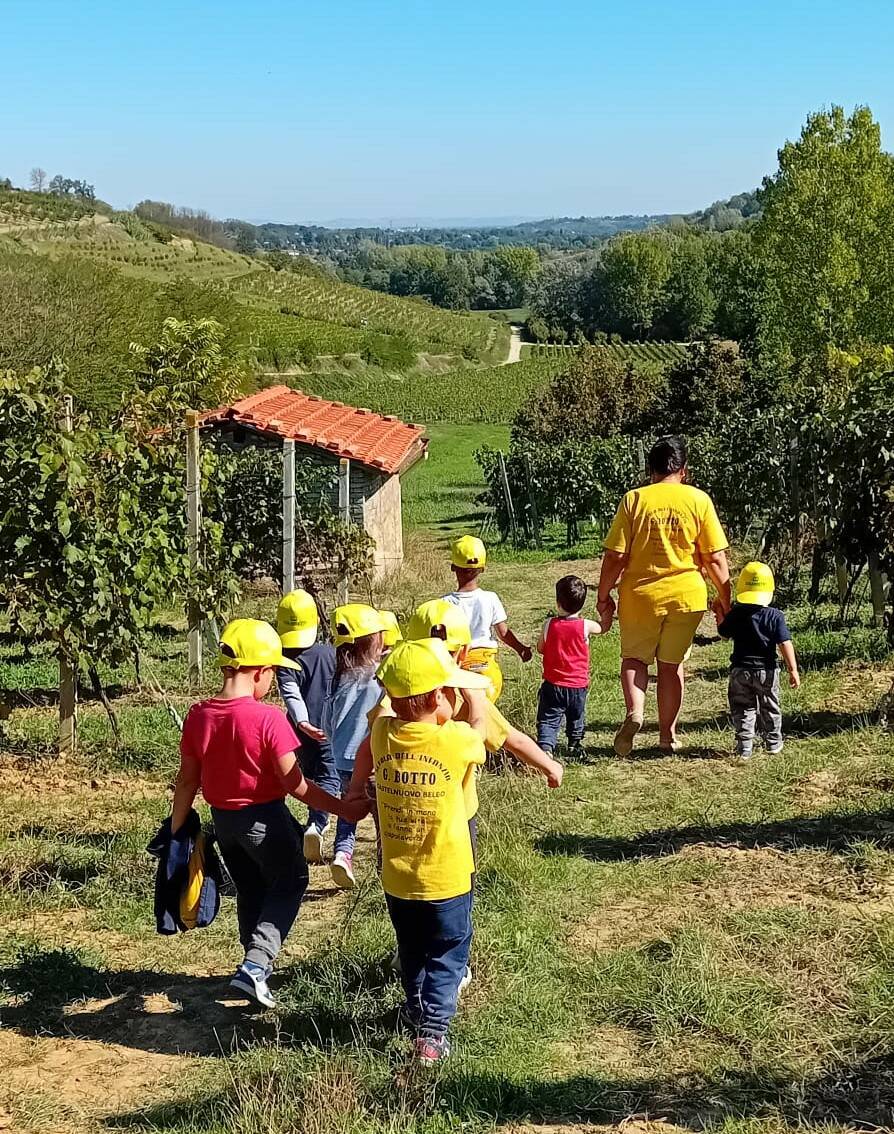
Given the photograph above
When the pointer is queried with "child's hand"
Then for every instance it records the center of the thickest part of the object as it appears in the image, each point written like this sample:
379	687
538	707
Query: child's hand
317	734
794	679
554	774
353	810
526	653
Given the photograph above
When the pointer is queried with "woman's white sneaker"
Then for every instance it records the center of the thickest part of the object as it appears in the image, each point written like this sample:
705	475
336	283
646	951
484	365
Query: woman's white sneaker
343	871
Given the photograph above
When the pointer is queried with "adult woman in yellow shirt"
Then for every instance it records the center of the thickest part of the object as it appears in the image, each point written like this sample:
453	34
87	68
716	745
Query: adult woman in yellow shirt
663	535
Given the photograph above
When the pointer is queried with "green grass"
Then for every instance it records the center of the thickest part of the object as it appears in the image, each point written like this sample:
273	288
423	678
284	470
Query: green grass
440	493
687	936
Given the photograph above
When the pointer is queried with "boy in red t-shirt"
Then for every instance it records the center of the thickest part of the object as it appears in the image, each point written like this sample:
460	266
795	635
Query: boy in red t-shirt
565	646
241	753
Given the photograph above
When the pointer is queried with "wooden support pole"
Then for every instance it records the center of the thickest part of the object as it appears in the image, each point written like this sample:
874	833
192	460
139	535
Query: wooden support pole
510	507
193	536
288	516
344	511
877	590
841	579
532	500
68	676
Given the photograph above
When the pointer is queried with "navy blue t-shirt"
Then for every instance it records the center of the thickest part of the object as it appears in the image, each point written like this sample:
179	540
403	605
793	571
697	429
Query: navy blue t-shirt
314	681
755	631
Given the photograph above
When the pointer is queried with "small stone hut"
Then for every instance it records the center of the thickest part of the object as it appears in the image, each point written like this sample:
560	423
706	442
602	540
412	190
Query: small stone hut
378	451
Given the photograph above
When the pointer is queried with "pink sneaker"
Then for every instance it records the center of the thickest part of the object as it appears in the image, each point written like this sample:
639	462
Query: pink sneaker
429	1051
343	871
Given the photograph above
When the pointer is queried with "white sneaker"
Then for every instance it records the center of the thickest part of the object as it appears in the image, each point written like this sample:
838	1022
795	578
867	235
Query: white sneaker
466	981
252	980
624	737
343	871
313	844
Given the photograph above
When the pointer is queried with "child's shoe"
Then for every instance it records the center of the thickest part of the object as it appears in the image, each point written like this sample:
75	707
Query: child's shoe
252	980
624	737
430	1050
576	754
313	844
466	981
775	750
343	871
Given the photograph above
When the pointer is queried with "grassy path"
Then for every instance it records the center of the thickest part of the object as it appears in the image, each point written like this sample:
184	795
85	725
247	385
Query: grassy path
685	938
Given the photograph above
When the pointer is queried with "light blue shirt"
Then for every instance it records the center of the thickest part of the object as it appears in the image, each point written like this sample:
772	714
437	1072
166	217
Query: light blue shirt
344	718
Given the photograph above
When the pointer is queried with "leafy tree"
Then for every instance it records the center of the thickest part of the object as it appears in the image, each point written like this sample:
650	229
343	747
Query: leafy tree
691	301
598	396
517	270
704	388
628	290
186	368
827	232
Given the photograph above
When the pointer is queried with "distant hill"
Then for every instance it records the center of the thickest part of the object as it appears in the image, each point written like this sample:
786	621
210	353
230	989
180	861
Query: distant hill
80	281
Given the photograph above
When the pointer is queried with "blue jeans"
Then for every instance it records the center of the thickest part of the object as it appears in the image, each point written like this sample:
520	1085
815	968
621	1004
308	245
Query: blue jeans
433	943
318	765
555	703
345	832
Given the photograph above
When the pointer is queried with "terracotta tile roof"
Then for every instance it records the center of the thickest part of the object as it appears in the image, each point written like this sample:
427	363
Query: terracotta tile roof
384	443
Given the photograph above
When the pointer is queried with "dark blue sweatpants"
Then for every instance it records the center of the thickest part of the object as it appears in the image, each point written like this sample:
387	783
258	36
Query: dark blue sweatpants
555	704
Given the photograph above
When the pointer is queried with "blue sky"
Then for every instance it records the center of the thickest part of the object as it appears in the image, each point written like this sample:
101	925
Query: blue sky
461	108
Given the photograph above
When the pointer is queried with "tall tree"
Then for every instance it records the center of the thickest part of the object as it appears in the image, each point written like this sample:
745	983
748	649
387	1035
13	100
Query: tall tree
827	234
37	179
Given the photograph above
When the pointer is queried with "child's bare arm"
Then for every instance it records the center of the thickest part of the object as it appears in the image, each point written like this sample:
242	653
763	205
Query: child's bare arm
186	789
522	746
501	629
787	650
592	629
296	785
363	769
477	702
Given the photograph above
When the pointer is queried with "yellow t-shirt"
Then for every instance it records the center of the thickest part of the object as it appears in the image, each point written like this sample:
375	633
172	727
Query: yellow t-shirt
498	729
419	769
659	527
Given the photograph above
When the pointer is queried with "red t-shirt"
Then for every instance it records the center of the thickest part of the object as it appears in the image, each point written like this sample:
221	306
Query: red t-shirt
237	743
566	653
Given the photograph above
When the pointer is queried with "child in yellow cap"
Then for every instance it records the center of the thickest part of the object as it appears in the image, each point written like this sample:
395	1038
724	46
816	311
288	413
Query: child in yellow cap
241	753
355	692
305	692
392	634
484	611
421	759
757	631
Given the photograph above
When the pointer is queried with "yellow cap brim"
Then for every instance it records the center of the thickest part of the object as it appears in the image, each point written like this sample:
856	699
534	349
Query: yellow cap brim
299	639
755	598
238	663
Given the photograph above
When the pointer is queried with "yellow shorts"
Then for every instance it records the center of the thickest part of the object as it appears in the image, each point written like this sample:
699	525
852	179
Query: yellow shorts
483	659
650	635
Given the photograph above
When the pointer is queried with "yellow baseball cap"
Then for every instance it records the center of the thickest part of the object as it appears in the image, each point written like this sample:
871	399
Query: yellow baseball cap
356	620
442	616
247	642
297	620
392	633
468	551
755	584
419	667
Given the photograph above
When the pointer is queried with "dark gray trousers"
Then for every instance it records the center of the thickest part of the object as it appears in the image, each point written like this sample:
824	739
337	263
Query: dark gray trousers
754	707
261	846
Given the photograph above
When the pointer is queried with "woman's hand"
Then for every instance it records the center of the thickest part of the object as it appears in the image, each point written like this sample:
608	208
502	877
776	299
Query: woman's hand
606	610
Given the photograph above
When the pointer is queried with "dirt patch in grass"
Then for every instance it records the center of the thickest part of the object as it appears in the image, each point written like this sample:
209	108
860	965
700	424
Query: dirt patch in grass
759	878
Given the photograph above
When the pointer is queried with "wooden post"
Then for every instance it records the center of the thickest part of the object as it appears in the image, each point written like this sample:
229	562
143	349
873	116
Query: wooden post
878	591
193	534
68	677
288	516
344	511
640	458
510	507
841	579
796	510
532	500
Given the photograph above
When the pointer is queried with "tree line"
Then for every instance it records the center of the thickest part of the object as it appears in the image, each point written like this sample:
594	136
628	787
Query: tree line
791	428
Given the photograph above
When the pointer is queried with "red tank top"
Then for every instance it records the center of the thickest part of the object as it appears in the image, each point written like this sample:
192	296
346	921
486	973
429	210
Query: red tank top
566	653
